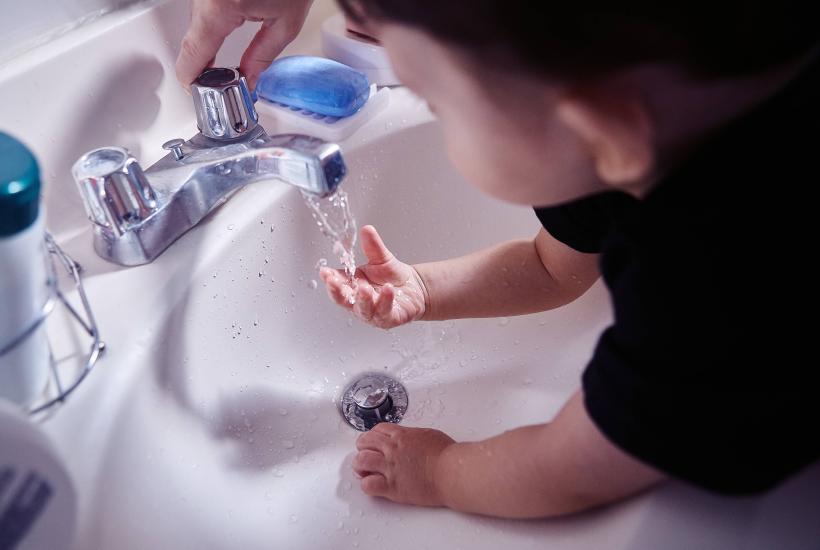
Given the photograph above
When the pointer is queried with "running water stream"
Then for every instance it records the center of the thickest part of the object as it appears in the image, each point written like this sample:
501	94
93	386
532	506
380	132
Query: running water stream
333	217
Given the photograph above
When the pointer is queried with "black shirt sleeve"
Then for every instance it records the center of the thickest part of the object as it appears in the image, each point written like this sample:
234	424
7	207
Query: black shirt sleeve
584	223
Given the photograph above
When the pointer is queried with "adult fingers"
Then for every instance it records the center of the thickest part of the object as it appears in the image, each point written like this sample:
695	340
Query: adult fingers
210	25
273	36
282	22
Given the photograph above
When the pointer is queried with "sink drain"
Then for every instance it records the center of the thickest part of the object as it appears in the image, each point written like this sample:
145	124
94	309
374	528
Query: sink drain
371	399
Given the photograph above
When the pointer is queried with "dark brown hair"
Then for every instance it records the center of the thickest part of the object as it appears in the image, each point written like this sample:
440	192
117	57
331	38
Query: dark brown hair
579	39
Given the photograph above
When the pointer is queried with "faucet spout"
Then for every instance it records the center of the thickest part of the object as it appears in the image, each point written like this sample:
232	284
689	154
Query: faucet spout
311	164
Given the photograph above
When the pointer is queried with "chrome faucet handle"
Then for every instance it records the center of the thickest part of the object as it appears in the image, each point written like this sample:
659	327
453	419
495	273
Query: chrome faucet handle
223	104
114	188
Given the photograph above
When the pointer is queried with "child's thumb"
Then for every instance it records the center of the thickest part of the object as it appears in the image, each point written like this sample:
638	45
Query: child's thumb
373	246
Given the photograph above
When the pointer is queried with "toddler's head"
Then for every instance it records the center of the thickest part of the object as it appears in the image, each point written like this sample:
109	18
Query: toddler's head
543	103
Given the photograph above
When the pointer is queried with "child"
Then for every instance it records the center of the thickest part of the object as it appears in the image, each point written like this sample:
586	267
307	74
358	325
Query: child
661	148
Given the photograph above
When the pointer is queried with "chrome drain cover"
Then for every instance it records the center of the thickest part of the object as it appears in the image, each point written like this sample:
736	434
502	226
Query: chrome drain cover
373	398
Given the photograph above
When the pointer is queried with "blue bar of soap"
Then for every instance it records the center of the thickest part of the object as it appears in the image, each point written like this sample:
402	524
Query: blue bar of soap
315	84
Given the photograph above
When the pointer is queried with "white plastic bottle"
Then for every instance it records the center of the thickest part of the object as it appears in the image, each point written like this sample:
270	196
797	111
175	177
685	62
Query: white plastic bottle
24	368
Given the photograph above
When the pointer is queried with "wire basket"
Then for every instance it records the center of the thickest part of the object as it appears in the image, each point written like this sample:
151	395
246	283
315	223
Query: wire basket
66	372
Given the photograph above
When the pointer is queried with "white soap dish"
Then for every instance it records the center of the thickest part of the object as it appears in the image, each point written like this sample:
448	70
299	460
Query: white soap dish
278	118
359	53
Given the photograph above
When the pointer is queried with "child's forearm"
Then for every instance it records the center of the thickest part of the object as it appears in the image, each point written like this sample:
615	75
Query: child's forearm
538	471
507	279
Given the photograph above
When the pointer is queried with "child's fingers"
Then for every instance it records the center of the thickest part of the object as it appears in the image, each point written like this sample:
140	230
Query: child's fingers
349	296
368	461
384	303
325	273
364	301
338	295
374	485
337	290
371	440
328	274
373	246
387	429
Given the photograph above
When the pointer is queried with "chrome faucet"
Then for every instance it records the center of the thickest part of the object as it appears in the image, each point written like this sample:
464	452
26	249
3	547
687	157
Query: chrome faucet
137	214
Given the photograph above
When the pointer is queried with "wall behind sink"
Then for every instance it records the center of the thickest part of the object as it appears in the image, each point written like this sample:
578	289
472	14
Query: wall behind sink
110	82
25	25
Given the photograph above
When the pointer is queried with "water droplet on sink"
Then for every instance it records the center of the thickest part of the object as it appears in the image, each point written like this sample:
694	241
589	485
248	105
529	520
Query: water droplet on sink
504	321
312	284
283	412
230	227
287	444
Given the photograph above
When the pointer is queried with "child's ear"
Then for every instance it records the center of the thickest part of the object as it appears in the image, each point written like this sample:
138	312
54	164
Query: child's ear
618	132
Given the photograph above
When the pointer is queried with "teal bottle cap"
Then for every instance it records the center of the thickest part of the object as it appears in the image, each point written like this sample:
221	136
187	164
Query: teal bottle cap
19	186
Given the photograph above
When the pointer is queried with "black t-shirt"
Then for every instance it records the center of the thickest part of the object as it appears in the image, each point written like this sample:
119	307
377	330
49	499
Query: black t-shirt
709	371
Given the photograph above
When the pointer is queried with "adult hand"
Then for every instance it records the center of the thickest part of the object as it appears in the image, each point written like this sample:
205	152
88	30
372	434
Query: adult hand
213	20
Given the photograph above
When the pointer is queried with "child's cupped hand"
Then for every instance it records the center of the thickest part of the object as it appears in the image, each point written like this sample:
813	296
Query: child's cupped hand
386	292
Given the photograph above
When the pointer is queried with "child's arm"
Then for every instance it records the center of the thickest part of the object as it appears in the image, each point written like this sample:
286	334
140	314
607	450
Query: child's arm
512	278
535	471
